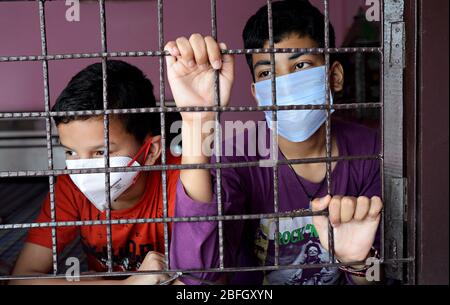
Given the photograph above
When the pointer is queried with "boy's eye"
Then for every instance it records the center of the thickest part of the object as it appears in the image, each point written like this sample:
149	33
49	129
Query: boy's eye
264	74
70	153
100	153
302	65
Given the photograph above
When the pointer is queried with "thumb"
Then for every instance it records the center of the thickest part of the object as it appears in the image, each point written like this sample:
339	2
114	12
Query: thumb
171	48
320	204
321	222
228	61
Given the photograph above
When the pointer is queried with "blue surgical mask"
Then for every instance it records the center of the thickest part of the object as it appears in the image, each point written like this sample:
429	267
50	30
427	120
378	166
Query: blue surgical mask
300	88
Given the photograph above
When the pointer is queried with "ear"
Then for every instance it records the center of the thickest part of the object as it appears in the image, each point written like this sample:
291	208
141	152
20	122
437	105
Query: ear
254	92
155	150
337	77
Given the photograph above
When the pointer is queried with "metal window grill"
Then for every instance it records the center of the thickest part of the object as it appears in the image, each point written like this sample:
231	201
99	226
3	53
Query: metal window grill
392	56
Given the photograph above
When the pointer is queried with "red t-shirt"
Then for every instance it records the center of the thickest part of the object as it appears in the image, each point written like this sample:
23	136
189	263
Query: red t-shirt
130	242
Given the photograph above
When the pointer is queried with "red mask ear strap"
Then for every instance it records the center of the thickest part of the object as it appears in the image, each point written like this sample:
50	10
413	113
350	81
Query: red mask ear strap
144	149
148	145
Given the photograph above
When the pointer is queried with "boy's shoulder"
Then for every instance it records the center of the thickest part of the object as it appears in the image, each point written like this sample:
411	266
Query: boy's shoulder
355	138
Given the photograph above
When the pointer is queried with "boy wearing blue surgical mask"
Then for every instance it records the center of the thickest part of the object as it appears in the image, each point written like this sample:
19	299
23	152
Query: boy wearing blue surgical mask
134	139
354	203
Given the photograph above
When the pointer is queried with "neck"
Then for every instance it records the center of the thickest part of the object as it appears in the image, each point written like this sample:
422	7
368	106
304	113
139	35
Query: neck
312	148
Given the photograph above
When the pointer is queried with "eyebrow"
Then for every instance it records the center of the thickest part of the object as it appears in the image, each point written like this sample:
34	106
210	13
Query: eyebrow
297	55
262	63
92	148
267	62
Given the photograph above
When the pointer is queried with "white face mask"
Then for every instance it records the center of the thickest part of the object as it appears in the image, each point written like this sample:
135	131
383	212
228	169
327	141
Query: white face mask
300	88
93	185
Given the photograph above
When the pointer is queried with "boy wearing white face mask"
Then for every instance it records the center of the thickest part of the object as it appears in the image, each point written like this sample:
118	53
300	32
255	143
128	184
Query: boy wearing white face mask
354	203
134	140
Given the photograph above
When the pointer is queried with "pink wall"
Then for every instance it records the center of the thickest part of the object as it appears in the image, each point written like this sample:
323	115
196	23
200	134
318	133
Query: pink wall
131	26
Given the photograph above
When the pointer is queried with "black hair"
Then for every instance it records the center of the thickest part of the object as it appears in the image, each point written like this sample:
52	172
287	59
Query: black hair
313	245
289	17
128	87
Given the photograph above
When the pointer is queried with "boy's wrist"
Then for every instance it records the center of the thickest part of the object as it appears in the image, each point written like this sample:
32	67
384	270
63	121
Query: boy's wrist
197	139
372	253
198	118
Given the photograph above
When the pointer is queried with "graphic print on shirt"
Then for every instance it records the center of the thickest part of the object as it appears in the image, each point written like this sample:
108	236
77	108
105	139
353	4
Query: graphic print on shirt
298	244
129	257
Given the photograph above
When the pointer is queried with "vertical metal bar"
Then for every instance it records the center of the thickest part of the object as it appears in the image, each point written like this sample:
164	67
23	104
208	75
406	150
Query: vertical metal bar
383	220
411	18
328	123
106	132
218	138
393	128
162	97
274	132
48	130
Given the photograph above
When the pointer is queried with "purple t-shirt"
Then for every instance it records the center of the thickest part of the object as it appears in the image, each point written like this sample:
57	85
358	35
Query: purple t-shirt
249	190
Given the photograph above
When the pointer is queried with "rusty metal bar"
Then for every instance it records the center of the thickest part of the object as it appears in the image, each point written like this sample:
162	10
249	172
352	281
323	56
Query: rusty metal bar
328	125
48	130
188	272
79	223
274	133
165	53
59	172
38	114
106	134
217	139
162	98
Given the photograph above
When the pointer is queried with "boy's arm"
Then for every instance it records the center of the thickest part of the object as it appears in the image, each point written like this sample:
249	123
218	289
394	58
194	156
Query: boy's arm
191	72
33	260
197	182
36	256
37	260
195	245
356	220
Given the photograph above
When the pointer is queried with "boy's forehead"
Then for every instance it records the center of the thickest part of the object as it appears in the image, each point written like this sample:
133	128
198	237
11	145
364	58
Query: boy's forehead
89	132
291	41
294	41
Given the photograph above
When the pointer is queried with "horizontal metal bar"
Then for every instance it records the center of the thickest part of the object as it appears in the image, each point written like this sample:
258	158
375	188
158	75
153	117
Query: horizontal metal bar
81	223
11	135
165	53
59	172
210	270
24	145
43	114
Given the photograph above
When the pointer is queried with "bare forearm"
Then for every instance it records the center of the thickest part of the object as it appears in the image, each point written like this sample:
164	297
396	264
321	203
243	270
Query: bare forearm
197	182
